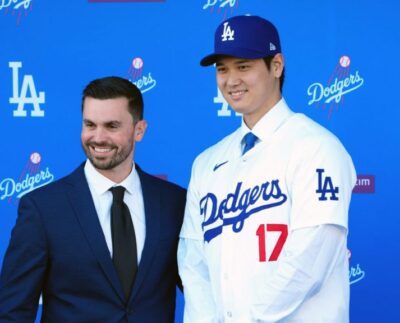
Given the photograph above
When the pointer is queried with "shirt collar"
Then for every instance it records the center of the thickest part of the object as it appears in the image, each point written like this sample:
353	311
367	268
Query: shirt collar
270	122
102	184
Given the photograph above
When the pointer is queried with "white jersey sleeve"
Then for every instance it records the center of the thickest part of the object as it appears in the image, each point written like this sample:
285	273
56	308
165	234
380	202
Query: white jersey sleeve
311	255
193	268
192	223
320	179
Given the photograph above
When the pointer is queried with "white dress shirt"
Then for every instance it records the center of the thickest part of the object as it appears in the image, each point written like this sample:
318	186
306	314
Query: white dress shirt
99	186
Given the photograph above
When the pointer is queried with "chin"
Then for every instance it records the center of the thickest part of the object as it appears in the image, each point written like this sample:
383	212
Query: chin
103	165
238	109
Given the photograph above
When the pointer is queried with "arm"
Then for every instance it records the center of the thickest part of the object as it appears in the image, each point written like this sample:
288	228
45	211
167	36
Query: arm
309	256
199	303
320	178
24	267
182	209
193	269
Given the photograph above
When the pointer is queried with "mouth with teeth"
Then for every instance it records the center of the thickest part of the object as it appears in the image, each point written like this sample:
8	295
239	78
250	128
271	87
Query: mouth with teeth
237	94
106	155
100	151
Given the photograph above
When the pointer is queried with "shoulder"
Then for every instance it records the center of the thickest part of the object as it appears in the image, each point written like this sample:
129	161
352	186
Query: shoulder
309	135
307	128
160	184
57	187
315	146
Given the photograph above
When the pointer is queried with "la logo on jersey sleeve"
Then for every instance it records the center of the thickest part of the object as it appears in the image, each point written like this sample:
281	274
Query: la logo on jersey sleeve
326	187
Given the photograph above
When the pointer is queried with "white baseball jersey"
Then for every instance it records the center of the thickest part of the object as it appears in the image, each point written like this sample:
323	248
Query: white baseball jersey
243	208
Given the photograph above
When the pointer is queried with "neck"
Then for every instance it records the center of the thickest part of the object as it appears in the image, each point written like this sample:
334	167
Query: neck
118	173
251	119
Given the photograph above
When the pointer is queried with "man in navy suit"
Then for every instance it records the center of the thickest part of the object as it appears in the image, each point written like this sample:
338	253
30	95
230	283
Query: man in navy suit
62	244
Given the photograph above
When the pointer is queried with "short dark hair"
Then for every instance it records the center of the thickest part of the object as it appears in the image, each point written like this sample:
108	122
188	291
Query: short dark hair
113	87
268	60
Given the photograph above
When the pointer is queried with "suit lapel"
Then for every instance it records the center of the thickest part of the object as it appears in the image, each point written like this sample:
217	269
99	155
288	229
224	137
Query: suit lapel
152	210
82	203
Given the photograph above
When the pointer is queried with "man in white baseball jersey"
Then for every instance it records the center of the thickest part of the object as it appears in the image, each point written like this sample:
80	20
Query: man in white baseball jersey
265	229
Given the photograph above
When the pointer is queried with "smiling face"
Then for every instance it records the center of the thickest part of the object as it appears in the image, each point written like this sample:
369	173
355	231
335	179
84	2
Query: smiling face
109	135
249	86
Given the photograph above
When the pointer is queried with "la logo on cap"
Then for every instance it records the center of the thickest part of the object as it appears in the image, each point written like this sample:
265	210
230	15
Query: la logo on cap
228	33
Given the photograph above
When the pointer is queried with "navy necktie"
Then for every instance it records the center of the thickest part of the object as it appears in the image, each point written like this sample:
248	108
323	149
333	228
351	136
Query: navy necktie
123	240
249	140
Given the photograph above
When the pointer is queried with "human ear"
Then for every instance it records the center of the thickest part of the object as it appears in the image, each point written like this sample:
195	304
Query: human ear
140	129
278	63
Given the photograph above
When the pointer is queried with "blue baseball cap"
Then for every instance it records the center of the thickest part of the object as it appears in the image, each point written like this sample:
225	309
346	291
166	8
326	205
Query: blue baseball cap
249	37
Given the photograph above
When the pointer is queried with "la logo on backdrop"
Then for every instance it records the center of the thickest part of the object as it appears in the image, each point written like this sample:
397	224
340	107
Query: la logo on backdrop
342	81
21	91
33	175
17	8
224	111
225	8
144	82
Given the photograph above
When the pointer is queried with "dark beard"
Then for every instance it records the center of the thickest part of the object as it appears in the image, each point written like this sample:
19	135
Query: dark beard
106	163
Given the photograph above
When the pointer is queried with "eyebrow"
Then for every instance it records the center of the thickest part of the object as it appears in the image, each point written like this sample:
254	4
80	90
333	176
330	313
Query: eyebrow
110	122
242	61
113	122
238	62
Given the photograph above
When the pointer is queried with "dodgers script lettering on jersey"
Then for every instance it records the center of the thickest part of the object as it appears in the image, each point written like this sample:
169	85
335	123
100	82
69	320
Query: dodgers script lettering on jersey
243	201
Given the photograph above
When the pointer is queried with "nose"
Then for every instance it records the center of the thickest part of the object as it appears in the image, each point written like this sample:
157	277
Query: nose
99	135
233	78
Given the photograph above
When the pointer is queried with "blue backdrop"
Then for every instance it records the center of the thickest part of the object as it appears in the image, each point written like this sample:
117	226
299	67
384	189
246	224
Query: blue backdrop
341	70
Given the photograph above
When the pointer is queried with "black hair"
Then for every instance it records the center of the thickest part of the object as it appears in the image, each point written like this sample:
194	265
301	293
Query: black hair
268	60
113	87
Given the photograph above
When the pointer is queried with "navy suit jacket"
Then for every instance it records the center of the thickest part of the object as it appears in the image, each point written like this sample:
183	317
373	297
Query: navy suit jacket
57	248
